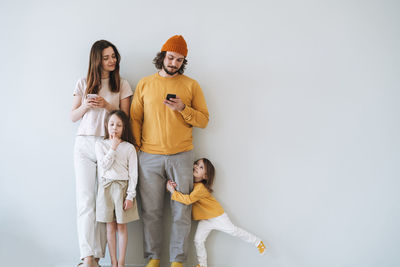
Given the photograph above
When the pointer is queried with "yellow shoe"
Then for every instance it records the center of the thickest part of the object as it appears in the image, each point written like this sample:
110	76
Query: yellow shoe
176	264
153	263
261	248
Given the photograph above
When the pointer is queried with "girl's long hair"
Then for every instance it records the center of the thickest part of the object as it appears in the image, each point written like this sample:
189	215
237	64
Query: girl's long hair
210	174
94	73
126	129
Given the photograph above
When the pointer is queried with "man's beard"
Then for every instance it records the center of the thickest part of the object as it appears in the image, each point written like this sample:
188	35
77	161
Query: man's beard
169	72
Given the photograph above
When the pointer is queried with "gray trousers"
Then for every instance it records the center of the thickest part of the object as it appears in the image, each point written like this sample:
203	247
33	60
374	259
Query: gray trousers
154	170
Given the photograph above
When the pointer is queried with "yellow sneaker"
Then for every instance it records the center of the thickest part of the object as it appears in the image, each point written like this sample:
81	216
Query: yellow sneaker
261	248
153	263
176	264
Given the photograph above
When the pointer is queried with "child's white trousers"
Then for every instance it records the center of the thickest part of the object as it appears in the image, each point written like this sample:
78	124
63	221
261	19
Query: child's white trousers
91	234
221	223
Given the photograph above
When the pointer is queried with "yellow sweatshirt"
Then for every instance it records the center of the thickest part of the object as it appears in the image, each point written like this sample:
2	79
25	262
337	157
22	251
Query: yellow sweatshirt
205	206
157	128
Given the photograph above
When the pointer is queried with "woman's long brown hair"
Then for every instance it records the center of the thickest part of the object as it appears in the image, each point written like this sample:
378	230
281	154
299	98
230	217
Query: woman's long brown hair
93	78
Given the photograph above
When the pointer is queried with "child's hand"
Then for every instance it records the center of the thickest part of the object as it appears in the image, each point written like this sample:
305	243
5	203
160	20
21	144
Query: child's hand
128	204
171	186
115	141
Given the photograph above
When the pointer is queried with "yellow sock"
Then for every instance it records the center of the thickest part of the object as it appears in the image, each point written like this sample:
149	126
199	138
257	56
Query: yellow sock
176	264
261	248
153	263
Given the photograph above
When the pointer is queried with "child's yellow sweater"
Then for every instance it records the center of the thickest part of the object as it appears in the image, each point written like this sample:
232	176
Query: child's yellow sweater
205	206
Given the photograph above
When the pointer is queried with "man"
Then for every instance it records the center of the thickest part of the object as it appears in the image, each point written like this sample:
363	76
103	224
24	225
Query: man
163	132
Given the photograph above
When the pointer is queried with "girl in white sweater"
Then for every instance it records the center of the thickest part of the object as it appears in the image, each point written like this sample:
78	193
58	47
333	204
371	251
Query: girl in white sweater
117	167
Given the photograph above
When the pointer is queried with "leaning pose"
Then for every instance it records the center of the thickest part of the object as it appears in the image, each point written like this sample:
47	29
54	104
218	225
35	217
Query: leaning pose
207	210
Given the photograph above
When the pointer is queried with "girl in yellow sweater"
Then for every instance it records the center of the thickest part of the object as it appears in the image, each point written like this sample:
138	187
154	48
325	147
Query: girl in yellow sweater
208	211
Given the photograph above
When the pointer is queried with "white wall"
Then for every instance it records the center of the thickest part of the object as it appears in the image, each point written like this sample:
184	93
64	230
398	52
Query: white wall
304	129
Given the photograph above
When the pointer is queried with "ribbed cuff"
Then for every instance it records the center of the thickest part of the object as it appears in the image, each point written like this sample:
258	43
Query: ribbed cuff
186	113
131	196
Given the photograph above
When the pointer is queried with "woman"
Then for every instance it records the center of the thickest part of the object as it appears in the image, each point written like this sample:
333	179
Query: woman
94	96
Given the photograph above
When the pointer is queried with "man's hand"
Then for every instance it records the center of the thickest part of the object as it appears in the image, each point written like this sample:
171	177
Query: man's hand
175	103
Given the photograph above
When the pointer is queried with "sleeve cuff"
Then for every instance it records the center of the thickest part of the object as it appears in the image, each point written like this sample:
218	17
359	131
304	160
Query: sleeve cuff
131	196
186	113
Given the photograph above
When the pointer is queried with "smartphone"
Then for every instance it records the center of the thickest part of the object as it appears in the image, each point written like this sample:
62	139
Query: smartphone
169	96
92	95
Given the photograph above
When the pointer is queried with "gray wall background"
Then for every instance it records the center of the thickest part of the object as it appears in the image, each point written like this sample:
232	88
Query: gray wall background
304	131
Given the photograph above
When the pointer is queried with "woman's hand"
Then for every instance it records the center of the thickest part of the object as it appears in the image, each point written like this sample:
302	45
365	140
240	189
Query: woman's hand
100	102
128	204
115	141
89	103
171	186
79	109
